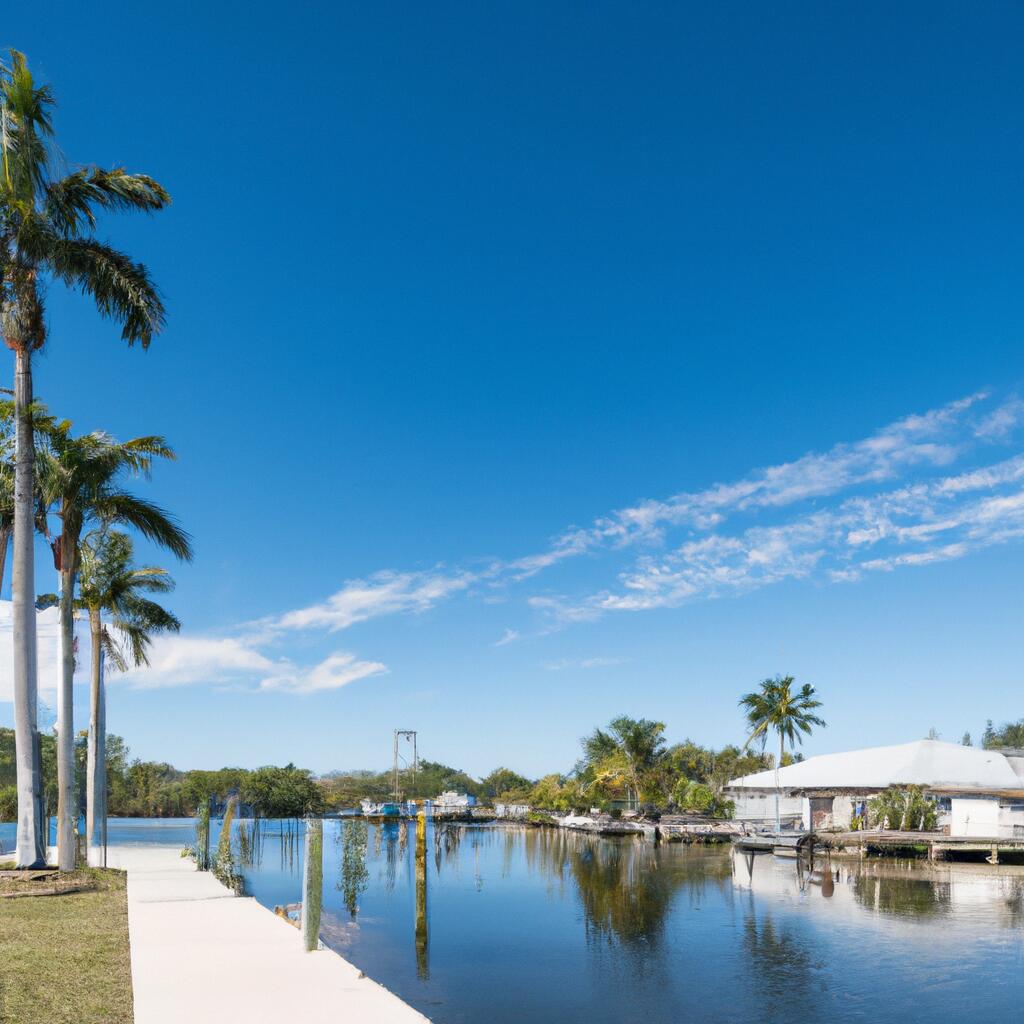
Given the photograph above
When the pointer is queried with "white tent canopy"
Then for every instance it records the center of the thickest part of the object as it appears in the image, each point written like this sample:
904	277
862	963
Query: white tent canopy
921	763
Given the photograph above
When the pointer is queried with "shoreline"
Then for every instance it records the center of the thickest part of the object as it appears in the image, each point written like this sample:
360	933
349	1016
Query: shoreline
193	942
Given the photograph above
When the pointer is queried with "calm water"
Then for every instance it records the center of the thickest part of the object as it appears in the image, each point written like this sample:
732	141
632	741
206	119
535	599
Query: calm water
541	925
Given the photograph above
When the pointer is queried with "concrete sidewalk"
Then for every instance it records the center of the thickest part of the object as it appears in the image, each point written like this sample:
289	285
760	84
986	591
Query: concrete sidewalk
199	953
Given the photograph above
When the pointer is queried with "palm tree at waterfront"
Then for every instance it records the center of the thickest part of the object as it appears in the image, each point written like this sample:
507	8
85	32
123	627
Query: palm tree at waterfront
80	480
623	755
112	584
775	707
46	231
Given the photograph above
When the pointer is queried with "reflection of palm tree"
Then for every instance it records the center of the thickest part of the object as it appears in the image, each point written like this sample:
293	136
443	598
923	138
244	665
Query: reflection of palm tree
626	888
354	840
905	896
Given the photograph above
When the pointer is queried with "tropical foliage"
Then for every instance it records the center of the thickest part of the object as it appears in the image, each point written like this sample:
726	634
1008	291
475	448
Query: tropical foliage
903	809
1009	734
47	233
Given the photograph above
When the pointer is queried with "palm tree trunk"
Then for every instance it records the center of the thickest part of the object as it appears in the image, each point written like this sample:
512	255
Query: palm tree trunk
94	770
5	537
31	851
67	793
778	785
101	759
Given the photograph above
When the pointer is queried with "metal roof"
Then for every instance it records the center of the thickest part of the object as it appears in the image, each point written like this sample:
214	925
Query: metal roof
923	763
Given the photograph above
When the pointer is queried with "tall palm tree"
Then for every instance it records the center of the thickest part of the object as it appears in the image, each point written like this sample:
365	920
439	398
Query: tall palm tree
46	232
790	715
80	479
112	584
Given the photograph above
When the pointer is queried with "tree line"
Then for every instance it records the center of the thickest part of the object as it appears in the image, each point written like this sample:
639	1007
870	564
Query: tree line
156	789
627	763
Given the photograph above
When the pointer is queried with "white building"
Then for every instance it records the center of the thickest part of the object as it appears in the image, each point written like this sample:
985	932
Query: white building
449	799
980	792
514	811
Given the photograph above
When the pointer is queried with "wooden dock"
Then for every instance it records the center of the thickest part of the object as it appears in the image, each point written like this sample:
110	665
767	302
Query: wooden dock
936	845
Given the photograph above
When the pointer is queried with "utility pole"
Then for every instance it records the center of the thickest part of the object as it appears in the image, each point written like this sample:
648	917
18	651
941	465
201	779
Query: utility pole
408	734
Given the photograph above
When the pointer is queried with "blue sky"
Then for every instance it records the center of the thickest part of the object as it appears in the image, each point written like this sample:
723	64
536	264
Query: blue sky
712	310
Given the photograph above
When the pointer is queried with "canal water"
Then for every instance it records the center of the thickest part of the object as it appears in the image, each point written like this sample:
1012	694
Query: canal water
529	924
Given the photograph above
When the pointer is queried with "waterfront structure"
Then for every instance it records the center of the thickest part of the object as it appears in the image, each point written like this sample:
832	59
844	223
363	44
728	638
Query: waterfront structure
449	800
978	792
513	811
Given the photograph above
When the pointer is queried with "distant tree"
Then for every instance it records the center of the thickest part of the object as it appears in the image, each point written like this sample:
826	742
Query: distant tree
933	734
503	782
1009	734
965	740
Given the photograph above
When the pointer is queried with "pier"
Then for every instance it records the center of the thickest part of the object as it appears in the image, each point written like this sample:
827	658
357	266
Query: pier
935	845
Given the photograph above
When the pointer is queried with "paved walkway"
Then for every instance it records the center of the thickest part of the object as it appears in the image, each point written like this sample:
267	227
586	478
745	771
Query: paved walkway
199	953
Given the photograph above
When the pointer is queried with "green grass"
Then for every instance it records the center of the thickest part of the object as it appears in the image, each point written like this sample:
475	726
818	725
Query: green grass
65	959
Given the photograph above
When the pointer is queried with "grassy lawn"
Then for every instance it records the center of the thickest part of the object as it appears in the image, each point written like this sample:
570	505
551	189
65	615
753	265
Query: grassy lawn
65	958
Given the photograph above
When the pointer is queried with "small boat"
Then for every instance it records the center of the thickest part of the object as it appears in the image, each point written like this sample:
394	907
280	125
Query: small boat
782	844
373	809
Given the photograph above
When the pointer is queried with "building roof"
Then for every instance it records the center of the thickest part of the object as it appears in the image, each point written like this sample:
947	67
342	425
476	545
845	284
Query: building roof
922	763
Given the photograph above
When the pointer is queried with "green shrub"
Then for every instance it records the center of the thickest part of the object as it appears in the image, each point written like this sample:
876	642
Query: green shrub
903	809
8	803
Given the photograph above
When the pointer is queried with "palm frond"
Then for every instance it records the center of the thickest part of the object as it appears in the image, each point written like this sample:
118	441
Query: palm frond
122	290
71	202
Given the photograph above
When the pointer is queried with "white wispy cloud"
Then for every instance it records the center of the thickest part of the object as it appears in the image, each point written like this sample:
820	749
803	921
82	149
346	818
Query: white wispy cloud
582	663
917	525
332	673
233	661
889	501
384	593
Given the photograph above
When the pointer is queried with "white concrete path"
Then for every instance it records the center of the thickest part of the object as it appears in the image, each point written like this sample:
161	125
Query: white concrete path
201	954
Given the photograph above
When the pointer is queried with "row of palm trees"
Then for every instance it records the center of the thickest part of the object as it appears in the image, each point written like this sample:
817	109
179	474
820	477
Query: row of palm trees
48	221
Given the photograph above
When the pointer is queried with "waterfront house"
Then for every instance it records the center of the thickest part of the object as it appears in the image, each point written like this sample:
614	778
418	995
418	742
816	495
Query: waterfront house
978	792
450	800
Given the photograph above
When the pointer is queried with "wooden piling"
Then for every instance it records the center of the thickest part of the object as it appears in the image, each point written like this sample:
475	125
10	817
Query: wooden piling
422	935
312	883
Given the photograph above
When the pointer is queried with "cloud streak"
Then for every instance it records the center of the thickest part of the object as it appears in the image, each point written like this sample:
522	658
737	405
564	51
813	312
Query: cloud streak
928	488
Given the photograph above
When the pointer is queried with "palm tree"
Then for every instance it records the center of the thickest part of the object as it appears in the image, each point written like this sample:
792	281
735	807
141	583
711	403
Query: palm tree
80	479
46	231
624	754
112	584
776	708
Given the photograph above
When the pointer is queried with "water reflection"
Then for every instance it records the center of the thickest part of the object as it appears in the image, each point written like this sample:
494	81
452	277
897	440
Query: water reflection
353	838
575	928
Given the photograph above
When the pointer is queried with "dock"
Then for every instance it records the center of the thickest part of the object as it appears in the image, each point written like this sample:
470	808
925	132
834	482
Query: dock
936	845
200	952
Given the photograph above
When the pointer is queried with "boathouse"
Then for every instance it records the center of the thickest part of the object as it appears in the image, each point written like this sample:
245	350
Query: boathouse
978	792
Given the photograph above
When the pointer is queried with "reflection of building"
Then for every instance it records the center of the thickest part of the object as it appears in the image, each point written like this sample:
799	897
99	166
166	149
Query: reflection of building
980	791
449	799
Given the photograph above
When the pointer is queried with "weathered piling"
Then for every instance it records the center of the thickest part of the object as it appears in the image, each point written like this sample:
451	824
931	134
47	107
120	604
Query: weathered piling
422	935
312	883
